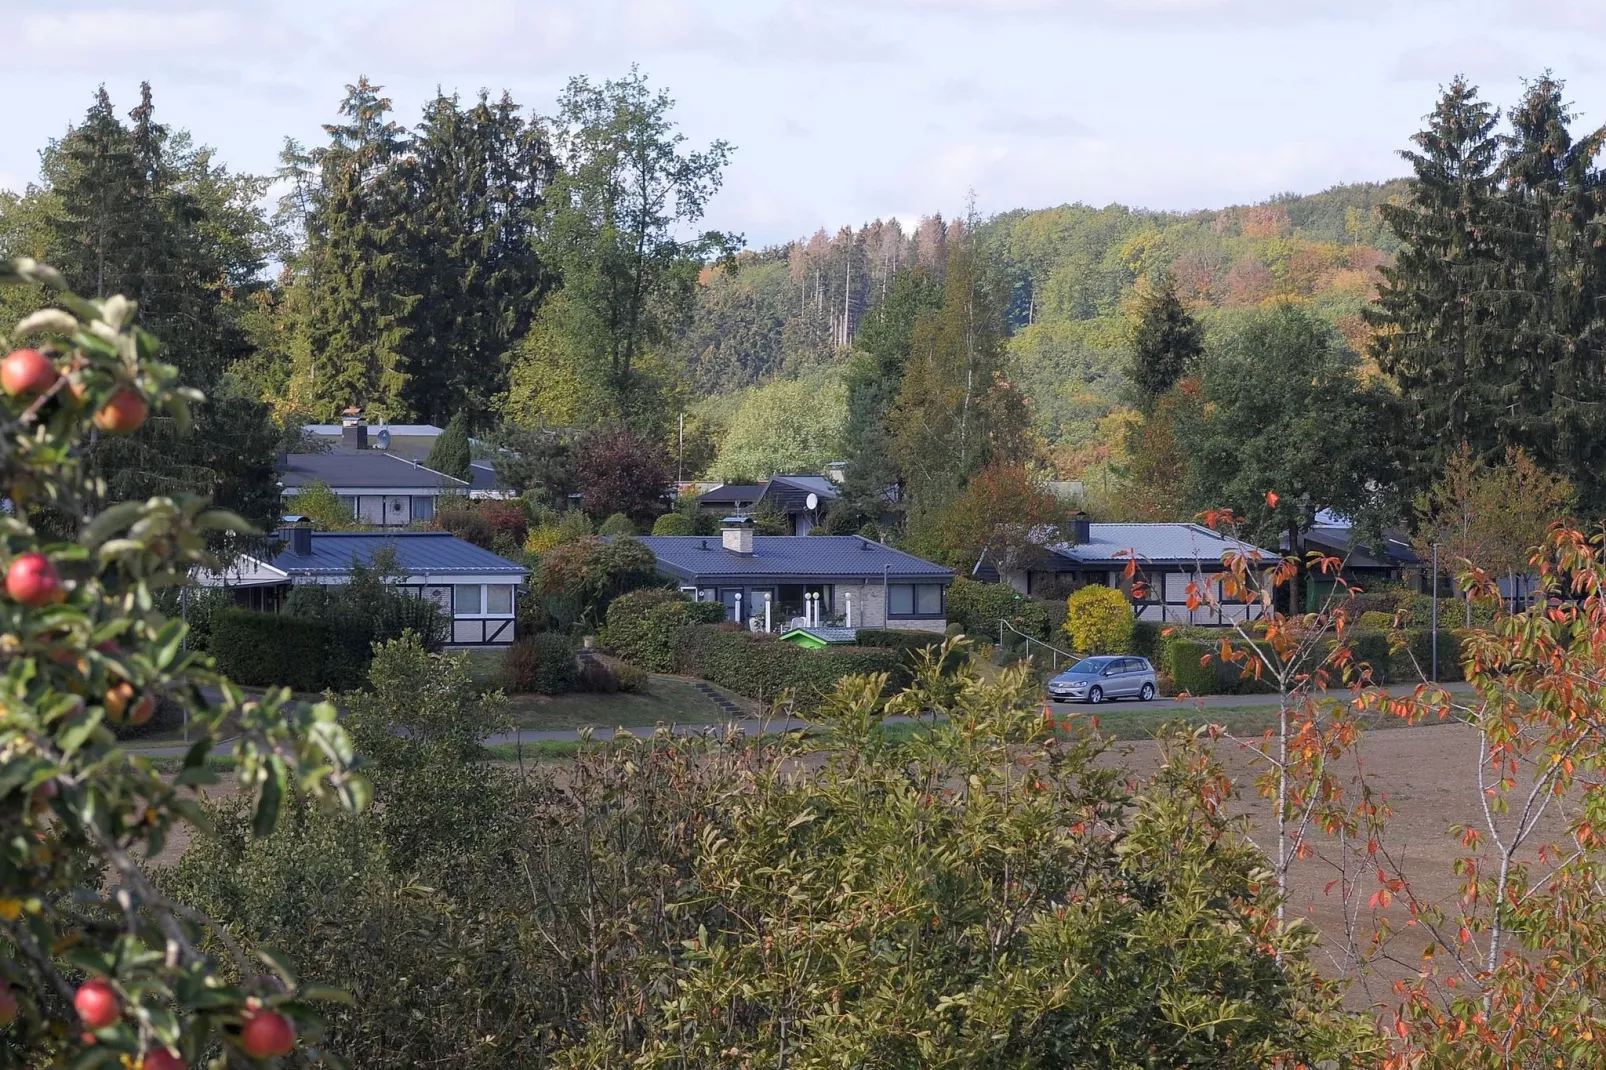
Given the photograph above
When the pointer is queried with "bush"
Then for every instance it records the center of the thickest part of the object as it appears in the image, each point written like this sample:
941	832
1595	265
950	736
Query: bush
674	524
543	663
196	606
1099	620
617	524
1376	621
596	677
459	516
642	625
593	573
762	667
1148	641
632	680
269	649
978	607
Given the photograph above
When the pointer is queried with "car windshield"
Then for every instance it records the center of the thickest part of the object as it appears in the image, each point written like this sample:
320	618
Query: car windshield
1088	667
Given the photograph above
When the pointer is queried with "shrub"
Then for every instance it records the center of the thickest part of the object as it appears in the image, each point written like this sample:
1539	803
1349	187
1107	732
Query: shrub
762	667
1373	620
1148	641
1099	620
978	607
1370	649
593	572
269	649
617	524
543	663
460	517
642	625
596	677
196	605
674	524
632	679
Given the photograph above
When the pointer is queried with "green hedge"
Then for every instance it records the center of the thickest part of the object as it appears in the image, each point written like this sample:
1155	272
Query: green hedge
978	607
271	649
543	663
642	625
1375	649
761	667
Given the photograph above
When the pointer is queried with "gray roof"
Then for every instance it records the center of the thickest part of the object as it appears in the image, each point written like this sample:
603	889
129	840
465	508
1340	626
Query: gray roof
821	558
483	477
732	493
371	468
417	552
1116	544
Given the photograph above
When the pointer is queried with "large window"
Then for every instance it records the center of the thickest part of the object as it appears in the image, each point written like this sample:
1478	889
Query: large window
915	600
499	599
467	600
423	508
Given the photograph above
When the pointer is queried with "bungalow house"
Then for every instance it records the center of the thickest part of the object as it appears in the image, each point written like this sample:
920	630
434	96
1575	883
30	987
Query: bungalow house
381	489
1168	558
803	500
475	588
778	582
1389	558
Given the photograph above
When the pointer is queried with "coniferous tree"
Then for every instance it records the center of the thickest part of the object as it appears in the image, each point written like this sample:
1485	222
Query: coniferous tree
1166	341
451	452
138	209
358	309
874	378
476	180
1548	293
1433	320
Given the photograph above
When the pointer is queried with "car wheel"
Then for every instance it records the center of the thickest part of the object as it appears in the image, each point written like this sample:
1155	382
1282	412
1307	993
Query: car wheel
1096	695
1147	693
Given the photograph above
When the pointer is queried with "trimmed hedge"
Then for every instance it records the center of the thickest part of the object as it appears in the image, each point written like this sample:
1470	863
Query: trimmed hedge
761	667
273	649
642	625
1374	649
978	607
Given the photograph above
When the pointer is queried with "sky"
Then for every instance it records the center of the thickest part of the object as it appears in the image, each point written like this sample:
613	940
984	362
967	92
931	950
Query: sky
843	111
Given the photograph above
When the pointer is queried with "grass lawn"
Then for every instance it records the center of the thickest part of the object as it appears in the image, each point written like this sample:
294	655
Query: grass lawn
667	698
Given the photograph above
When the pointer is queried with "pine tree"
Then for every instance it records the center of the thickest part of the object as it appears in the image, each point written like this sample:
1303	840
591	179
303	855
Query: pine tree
359	309
1433	319
1166	341
451	452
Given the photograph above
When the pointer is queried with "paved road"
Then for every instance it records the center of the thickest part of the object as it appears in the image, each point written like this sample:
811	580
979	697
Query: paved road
756	726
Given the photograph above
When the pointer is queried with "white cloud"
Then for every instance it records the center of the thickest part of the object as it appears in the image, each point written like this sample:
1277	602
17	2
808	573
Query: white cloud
1152	14
1018	124
1479	58
123	38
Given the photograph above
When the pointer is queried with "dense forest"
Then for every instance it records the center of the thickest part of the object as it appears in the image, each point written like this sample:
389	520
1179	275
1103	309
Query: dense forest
544	280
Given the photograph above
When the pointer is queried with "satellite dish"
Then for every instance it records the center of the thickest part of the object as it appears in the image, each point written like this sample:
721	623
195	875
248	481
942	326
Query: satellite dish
384	439
812	501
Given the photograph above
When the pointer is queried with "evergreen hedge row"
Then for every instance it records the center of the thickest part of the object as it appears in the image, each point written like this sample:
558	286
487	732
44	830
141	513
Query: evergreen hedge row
642	625
761	667
273	649
1183	655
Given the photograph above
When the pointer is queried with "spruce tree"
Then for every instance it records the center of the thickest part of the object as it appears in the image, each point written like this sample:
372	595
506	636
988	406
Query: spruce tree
1166	341
139	209
874	378
358	315
1432	320
451	452
475	183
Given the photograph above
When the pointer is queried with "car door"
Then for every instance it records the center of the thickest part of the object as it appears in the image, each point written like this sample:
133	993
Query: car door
1113	679
1131	678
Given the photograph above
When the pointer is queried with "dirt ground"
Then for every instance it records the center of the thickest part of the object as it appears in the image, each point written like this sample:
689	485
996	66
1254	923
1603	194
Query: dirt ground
1428	778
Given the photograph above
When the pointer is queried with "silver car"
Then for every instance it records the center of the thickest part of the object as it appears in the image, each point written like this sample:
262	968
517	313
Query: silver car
1103	678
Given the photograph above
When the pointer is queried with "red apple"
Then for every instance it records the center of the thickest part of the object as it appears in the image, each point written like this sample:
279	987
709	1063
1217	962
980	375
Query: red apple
97	1003
267	1035
161	1059
33	581
143	710
27	371
124	412
8	1005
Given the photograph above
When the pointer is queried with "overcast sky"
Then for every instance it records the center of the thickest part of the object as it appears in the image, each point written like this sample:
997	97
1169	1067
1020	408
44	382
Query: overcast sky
843	110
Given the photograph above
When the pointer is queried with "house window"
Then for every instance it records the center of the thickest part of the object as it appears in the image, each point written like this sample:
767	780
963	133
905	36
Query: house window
499	599
423	508
348	502
914	600
467	600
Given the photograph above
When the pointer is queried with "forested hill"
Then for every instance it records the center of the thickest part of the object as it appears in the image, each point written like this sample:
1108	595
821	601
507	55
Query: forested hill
1066	274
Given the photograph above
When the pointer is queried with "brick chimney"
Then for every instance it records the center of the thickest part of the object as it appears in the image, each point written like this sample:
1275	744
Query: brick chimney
738	534
353	430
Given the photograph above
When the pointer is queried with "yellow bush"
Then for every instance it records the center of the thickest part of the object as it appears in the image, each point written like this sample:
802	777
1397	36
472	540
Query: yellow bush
1099	620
